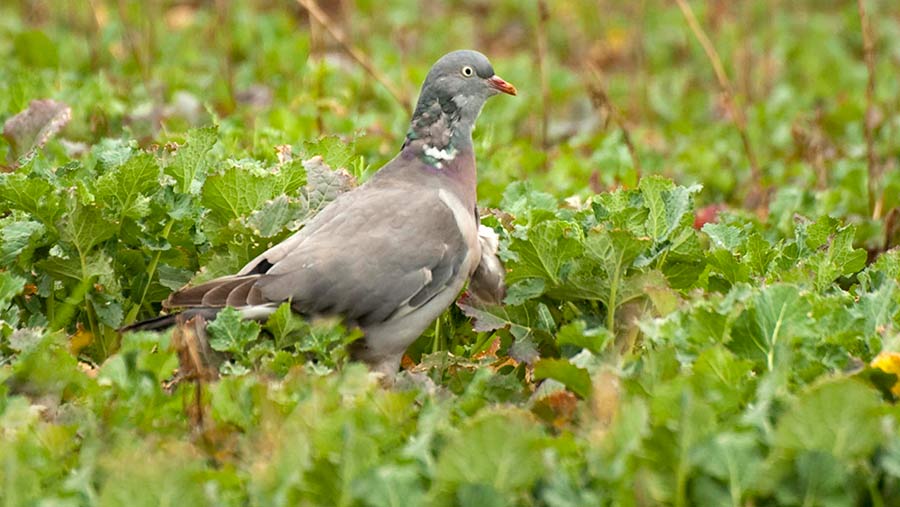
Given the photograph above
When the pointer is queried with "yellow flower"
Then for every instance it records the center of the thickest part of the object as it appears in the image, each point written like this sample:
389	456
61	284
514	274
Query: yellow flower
889	362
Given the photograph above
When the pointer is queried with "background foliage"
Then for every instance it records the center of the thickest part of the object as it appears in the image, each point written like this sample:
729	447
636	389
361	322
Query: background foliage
677	331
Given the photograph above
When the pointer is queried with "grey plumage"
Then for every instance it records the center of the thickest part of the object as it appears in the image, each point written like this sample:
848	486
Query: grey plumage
391	255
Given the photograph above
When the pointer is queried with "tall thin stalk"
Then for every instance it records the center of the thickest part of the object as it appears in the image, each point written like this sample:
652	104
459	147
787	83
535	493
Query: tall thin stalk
737	112
875	202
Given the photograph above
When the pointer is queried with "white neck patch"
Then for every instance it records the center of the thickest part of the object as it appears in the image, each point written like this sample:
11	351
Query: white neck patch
439	154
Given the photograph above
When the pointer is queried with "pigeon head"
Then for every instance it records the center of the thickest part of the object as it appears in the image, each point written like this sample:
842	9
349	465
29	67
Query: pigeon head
453	94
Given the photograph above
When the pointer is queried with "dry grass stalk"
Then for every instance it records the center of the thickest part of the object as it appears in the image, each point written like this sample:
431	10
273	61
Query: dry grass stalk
600	99
543	16
875	202
197	362
737	112
361	58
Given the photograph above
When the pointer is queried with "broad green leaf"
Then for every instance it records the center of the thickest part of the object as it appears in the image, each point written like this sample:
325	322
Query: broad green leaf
189	163
173	278
595	339
840	259
733	458
727	237
886	269
16	236
238	190
335	151
285	325
668	205
230	333
759	254
818	478
497	448
126	188
723	378
837	416
33	195
524	321
246	189
390	485
84	227
543	250
521	198
274	216
576	379
615	249
523	290
777	316
10	286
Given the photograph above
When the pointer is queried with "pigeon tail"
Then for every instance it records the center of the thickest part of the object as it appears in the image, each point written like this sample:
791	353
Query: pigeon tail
164	322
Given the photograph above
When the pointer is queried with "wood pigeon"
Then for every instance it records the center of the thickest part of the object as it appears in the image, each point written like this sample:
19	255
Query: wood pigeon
391	255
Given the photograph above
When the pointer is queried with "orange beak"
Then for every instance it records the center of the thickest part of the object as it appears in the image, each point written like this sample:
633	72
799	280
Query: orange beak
497	83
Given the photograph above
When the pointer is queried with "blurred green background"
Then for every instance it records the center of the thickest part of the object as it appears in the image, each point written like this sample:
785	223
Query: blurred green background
270	76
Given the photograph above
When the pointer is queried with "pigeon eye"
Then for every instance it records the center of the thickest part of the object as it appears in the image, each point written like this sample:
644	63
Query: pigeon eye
468	71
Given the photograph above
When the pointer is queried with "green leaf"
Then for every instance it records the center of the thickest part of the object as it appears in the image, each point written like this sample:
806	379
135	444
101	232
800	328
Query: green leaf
574	378
84	227
839	417
524	321
497	448
595	339
230	333
390	485
542	251
10	286
274	216
189	163
840	259
33	195
16	236
126	188
818	479
777	317
668	205
521	198
285	325
108	309
245	187
173	278
615	249
723	378
335	152
723	236
733	458
524	289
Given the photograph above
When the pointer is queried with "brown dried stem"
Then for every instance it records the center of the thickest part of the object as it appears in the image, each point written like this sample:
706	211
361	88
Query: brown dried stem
600	100
543	16
361	58
737	112
875	203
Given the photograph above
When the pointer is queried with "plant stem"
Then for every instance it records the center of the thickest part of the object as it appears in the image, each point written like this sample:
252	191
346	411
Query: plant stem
319	15
151	270
543	14
611	303
875	203
737	112
88	307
